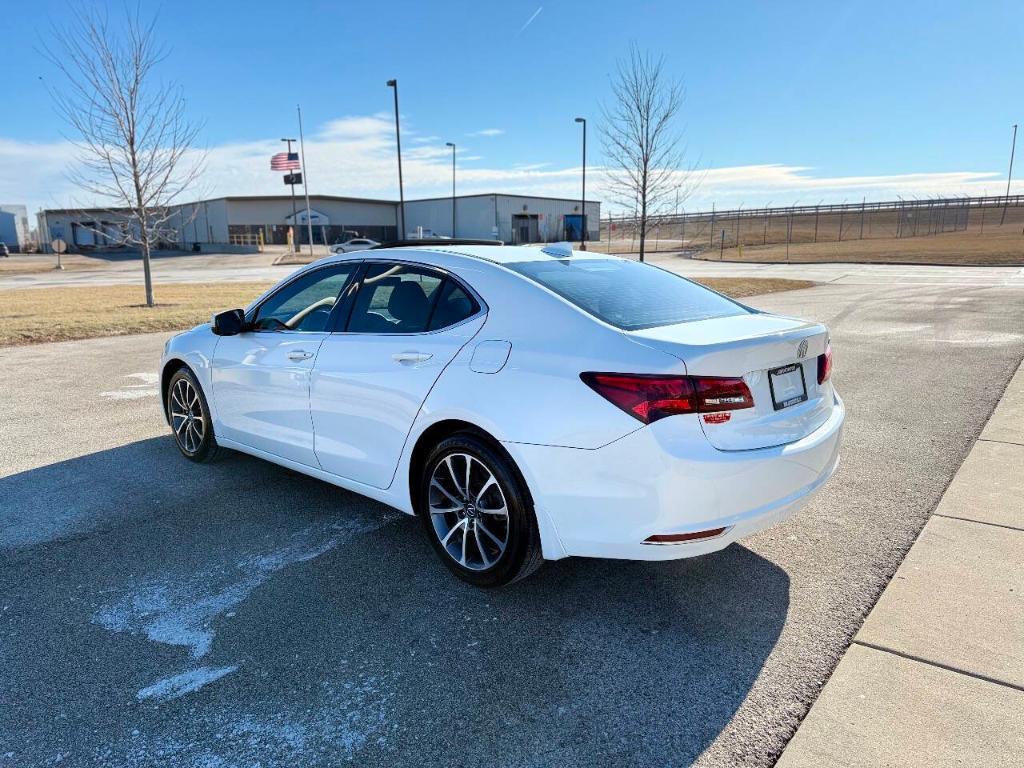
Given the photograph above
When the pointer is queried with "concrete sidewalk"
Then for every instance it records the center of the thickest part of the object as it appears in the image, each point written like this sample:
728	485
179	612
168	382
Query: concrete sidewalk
935	677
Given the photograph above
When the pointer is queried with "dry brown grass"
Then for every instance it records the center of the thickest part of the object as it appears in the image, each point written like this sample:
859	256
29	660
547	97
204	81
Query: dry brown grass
38	315
33	263
738	287
998	248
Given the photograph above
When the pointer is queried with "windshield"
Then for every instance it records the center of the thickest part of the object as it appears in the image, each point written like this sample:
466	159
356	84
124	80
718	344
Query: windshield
627	294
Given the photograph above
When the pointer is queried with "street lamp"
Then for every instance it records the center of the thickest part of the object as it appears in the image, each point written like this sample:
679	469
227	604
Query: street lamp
583	195
398	144
449	144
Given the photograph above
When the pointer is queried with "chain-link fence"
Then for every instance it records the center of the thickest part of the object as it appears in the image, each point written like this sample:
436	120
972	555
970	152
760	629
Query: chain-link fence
747	227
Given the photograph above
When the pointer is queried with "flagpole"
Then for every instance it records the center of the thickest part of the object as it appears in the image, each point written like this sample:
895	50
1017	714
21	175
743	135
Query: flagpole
305	182
295	213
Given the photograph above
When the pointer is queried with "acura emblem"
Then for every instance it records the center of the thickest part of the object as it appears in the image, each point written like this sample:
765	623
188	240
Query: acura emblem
801	351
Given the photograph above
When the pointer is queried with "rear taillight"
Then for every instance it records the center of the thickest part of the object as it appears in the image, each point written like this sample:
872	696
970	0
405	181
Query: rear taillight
825	364
652	397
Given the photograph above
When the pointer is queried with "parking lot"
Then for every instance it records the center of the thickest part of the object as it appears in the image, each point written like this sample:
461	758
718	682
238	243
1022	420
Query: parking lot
154	612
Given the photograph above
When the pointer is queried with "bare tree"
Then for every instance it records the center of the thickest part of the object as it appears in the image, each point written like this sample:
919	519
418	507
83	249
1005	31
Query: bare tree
136	143
640	139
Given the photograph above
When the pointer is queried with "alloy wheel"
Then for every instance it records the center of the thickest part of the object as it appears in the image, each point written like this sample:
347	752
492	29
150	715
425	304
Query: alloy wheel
187	416
468	511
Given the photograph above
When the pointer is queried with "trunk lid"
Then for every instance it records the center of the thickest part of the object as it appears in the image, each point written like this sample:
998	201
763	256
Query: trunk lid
750	347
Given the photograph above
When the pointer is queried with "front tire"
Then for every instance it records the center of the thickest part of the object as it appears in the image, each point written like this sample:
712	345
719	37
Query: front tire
477	512
189	417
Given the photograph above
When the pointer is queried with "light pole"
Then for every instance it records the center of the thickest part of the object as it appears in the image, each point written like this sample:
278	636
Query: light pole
583	194
295	214
449	144
398	144
1006	200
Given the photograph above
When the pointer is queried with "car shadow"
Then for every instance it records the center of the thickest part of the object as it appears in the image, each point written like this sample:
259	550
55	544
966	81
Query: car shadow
329	629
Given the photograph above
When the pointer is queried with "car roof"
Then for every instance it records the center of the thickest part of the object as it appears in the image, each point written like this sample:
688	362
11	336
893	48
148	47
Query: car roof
496	254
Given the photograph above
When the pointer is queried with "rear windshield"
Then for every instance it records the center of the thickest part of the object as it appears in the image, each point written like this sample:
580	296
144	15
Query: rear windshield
627	294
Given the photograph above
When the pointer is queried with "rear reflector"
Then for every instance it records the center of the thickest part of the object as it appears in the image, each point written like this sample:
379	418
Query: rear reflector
679	538
651	397
825	364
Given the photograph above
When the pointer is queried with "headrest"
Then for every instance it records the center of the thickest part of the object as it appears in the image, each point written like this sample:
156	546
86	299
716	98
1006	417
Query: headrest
408	302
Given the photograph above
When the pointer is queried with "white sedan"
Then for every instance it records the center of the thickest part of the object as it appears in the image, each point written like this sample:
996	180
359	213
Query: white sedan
355	244
525	403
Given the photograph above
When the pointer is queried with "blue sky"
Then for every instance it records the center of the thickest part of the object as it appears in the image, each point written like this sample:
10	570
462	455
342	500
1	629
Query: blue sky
785	101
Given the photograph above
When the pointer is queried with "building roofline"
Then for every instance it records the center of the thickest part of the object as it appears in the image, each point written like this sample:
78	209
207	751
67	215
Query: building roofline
336	198
500	194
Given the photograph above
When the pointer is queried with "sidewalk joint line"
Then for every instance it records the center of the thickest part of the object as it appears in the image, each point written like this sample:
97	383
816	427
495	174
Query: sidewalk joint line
979	522
1004	442
940	665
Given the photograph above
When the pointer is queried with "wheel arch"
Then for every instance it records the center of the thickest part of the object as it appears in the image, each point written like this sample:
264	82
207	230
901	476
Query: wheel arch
445	428
550	541
170	368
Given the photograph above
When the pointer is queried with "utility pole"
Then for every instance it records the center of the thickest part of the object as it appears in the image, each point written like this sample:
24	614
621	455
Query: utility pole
295	212
583	194
1006	201
450	144
305	182
398	144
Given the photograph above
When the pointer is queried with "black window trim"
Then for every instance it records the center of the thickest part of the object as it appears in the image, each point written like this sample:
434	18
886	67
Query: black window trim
253	311
444	274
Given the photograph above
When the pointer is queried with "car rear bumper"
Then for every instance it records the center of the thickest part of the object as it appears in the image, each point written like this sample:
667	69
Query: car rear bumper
667	479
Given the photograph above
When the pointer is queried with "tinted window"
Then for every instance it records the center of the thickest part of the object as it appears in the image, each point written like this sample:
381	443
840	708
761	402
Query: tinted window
395	298
454	306
627	294
306	303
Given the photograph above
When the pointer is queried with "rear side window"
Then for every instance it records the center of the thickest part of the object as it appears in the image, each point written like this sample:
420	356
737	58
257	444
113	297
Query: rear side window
627	294
454	306
395	298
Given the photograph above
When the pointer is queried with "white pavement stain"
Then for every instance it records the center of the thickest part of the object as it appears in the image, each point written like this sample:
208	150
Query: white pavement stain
351	715
147	386
180	610
187	682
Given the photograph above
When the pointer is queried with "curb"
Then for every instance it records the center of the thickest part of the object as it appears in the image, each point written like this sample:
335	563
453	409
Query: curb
935	676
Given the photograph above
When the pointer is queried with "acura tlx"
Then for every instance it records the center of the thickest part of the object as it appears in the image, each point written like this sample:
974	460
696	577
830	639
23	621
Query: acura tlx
526	403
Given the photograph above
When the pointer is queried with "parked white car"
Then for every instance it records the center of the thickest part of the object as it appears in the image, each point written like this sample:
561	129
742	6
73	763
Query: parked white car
526	403
355	244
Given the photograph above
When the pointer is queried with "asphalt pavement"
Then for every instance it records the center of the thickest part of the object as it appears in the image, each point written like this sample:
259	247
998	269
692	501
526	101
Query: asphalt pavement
154	612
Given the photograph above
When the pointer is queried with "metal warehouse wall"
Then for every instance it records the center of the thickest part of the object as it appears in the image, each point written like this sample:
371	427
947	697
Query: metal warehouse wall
478	216
474	216
340	212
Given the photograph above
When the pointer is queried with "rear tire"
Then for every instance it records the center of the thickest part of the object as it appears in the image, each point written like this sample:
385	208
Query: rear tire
477	512
189	417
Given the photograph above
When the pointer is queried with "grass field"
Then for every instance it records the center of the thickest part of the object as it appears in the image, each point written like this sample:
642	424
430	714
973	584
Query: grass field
1001	248
38	315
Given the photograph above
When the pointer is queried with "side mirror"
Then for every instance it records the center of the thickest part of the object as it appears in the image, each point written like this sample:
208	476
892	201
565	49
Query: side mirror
229	323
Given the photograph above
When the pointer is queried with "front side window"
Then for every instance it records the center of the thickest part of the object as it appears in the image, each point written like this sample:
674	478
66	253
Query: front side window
627	294
306	303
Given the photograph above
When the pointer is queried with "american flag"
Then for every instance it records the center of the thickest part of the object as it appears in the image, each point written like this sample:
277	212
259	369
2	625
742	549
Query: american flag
285	161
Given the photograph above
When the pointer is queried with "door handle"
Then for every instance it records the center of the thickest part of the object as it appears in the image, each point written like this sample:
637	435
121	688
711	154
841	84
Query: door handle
411	358
299	354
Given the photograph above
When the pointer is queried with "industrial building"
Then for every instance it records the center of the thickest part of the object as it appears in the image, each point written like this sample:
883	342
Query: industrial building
14	227
244	223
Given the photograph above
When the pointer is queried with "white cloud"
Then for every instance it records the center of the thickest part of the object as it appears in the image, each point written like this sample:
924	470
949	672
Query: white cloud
488	132
355	156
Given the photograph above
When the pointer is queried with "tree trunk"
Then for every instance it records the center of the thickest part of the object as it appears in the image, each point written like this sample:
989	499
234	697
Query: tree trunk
643	226
144	246
150	302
